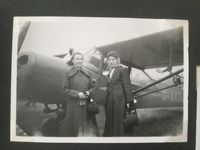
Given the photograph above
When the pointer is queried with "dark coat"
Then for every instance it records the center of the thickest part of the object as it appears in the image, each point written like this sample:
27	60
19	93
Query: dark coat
119	90
77	121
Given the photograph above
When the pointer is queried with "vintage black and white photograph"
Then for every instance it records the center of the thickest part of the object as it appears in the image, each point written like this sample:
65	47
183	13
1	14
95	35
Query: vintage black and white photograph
99	80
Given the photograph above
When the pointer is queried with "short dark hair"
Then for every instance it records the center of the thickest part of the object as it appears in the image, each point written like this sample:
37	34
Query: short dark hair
112	53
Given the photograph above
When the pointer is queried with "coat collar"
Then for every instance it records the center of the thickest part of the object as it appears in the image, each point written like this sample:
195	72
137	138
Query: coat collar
115	74
74	70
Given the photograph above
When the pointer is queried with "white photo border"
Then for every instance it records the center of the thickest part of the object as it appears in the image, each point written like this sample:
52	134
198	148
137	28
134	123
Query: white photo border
154	139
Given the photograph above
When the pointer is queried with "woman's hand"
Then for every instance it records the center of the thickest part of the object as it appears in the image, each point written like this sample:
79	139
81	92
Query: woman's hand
81	95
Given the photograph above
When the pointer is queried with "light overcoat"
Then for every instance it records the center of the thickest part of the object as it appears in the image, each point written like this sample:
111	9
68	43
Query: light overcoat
77	121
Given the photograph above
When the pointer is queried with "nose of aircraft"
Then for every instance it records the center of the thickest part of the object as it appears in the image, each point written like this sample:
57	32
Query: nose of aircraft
25	63
23	60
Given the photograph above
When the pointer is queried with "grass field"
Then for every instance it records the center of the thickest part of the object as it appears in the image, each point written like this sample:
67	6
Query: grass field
159	122
152	121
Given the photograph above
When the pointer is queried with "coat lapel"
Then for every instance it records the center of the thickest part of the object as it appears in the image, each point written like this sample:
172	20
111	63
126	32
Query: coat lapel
74	70
108	78
115	74
85	72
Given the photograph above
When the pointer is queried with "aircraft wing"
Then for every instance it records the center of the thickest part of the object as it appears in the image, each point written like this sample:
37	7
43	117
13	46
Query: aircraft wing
152	51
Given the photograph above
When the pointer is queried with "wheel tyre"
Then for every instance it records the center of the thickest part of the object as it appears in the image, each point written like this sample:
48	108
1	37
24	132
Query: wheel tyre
49	126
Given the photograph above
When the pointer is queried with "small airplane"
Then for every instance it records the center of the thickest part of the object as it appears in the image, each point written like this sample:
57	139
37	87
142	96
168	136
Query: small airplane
39	79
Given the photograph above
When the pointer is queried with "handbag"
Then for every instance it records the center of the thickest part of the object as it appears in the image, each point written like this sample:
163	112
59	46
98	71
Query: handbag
92	107
130	116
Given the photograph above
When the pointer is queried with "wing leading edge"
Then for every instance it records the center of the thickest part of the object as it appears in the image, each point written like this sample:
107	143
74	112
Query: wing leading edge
155	50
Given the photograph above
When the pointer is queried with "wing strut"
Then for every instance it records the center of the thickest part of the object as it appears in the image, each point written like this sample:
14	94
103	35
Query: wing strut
174	85
147	75
169	68
158	81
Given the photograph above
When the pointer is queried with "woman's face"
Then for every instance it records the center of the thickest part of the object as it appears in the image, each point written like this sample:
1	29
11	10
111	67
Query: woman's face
78	60
112	62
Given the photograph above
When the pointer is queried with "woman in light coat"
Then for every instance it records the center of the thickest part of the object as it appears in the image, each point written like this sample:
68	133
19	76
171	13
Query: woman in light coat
77	121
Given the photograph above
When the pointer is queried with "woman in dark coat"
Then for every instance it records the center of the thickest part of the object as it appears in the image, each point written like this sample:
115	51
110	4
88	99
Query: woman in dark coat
119	91
77	121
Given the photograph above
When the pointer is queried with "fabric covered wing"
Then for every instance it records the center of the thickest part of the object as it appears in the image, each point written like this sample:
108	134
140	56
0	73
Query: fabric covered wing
152	51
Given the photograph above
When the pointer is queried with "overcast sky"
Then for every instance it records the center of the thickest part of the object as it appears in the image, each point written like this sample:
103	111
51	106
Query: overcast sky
55	36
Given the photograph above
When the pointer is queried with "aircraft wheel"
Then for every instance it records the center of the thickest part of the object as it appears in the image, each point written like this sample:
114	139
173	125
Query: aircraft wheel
49	126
